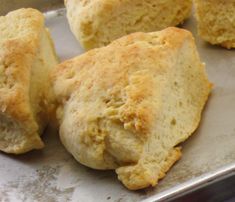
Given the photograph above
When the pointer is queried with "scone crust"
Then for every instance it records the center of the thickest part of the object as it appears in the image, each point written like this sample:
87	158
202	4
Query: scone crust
135	178
216	21
19	39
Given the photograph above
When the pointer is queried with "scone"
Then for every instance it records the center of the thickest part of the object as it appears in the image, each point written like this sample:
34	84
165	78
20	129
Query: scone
96	23
216	21
127	106
26	57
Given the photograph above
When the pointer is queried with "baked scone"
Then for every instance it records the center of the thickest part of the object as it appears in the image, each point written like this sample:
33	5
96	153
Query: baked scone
26	57
216	21
128	105
96	23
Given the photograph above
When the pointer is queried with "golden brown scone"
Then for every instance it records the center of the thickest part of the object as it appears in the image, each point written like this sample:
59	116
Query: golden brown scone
26	57
216	21
128	105
96	23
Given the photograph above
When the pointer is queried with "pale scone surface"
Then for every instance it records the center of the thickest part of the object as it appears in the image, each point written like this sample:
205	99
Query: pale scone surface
128	105
216	21
96	23
22	40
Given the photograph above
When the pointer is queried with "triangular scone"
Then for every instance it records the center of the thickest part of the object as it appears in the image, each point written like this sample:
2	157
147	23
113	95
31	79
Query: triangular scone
26	57
128	105
96	23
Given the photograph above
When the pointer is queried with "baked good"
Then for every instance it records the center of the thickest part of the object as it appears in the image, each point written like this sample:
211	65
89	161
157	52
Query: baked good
96	23
127	106
216	21
26	57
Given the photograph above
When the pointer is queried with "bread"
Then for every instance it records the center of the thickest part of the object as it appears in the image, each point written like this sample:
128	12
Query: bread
26	57
216	21
127	106
96	23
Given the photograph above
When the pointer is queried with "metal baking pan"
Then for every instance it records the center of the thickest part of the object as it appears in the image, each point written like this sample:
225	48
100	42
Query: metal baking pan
52	174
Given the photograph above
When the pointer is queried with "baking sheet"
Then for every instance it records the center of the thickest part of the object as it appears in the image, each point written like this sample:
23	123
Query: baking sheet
53	175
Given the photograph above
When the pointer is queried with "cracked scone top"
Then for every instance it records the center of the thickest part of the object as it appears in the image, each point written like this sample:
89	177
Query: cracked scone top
26	57
128	105
96	23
